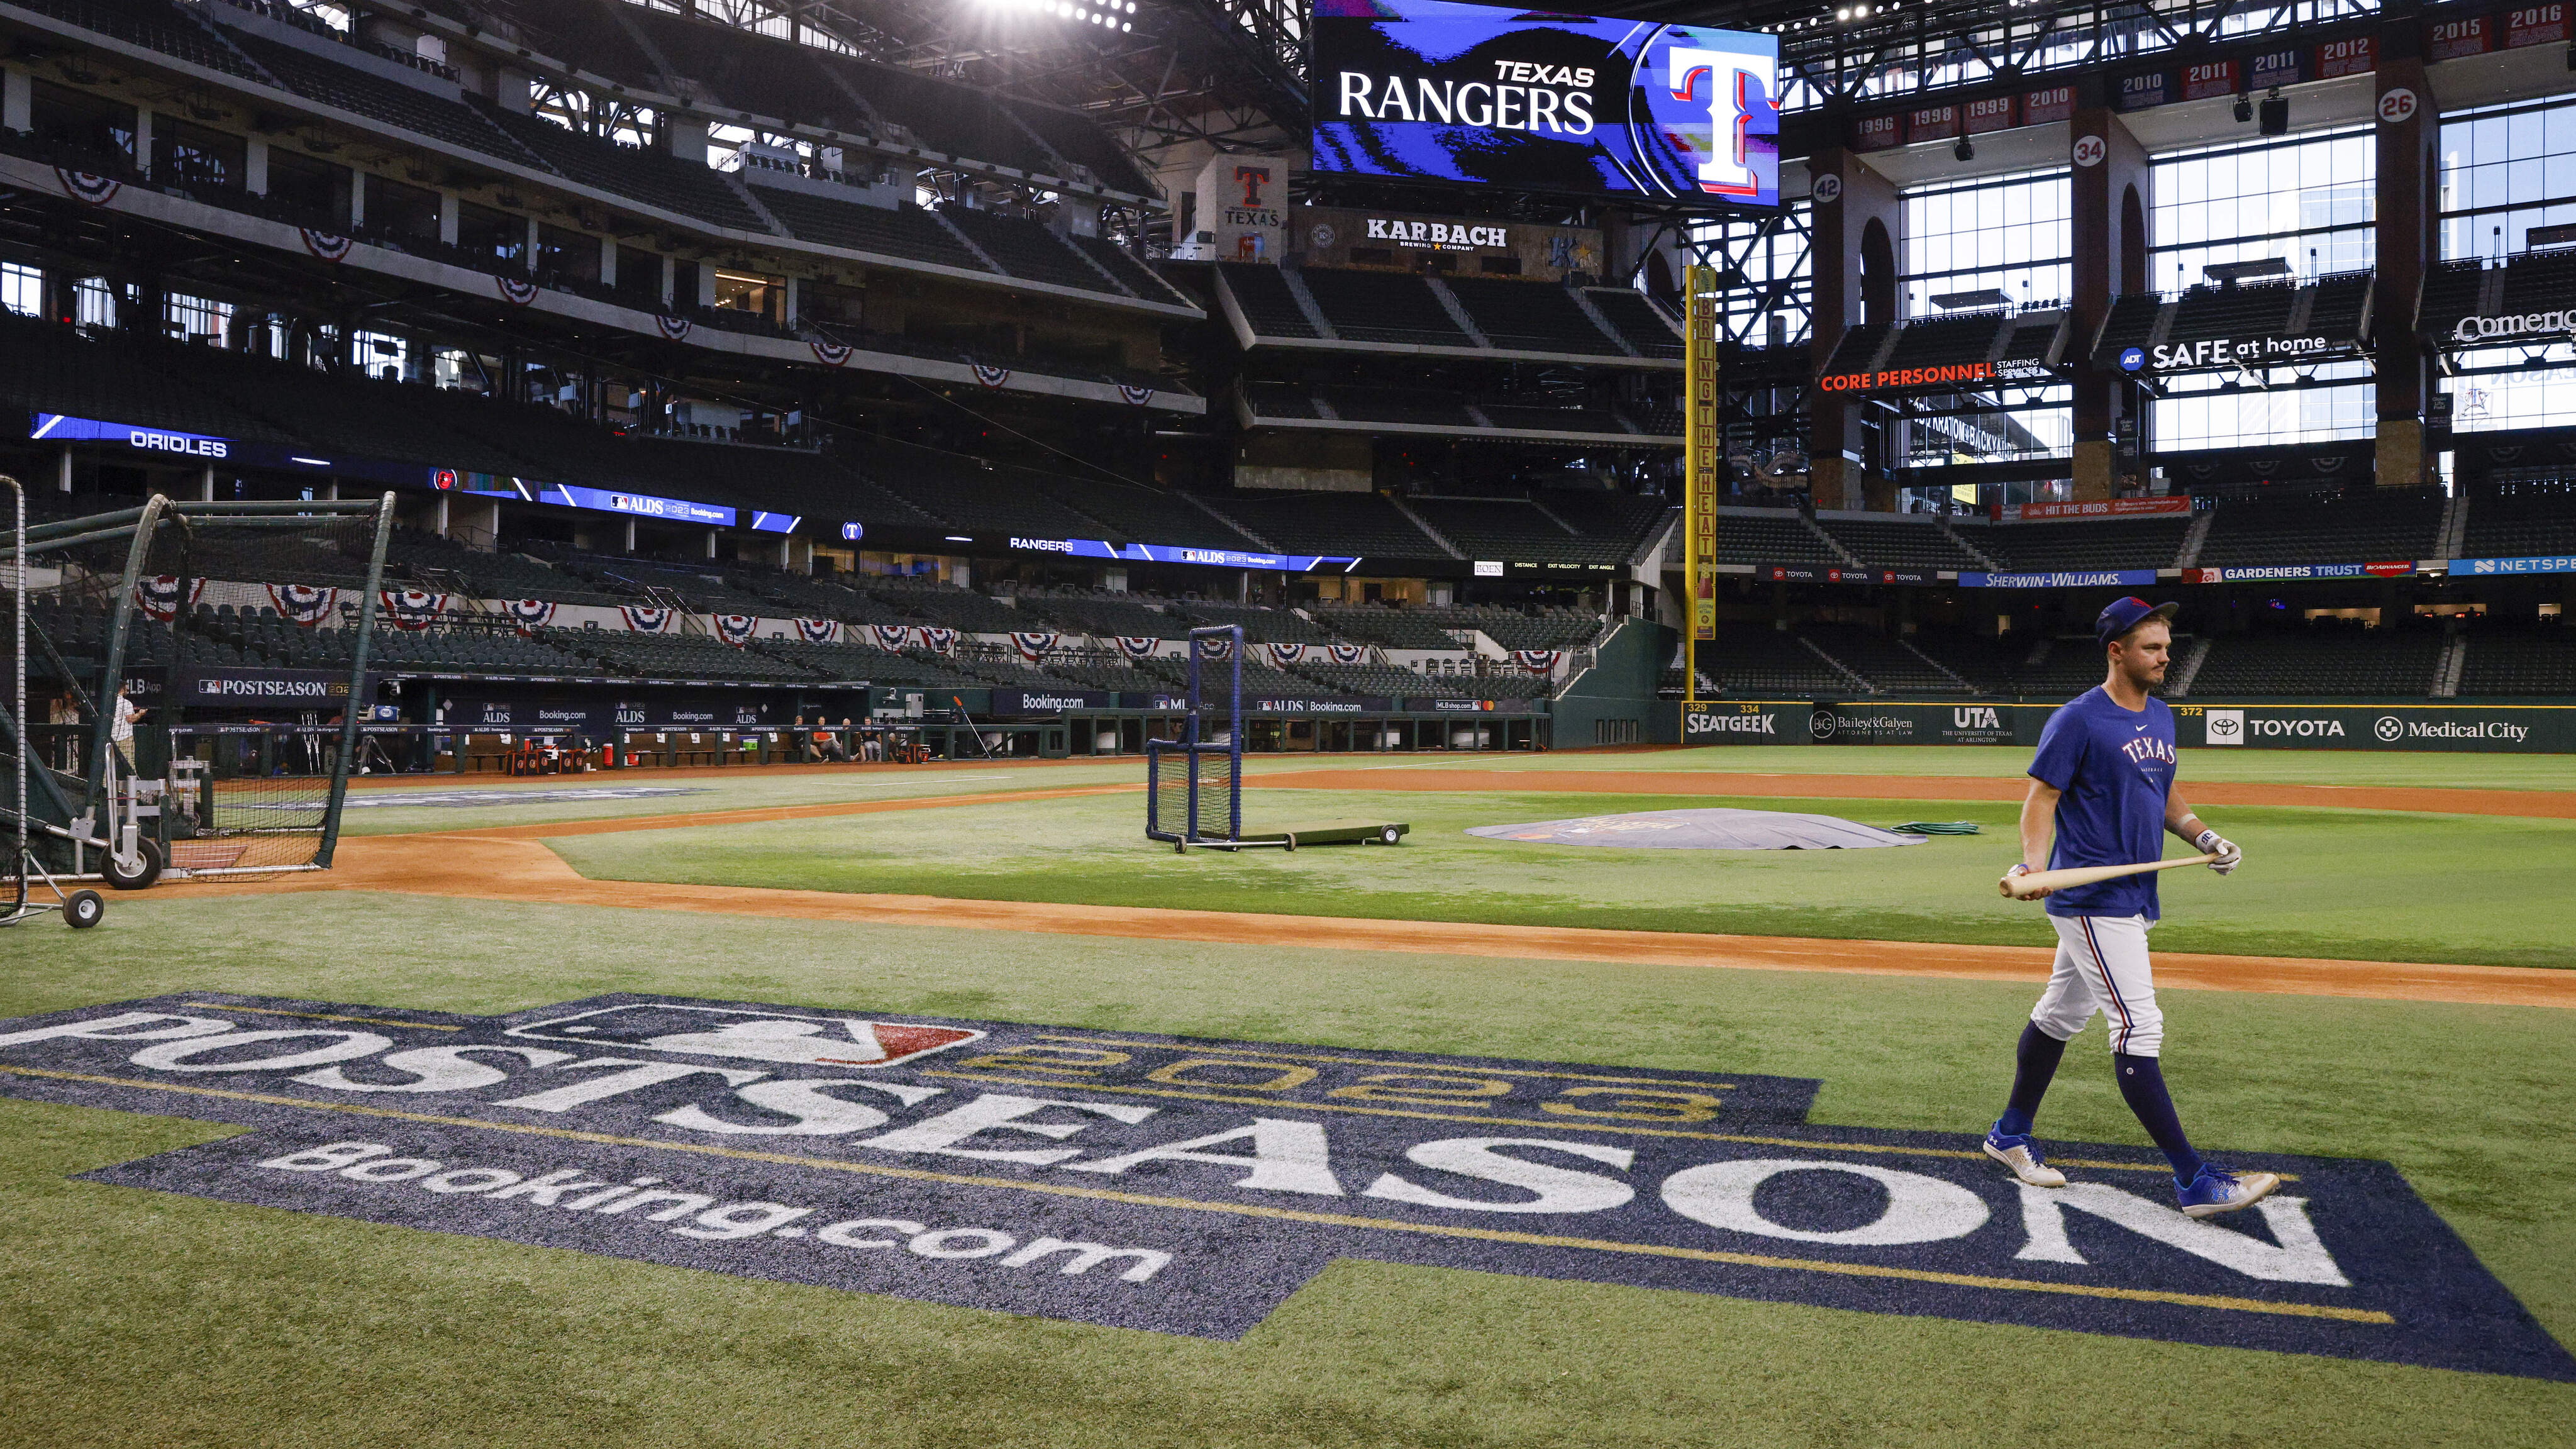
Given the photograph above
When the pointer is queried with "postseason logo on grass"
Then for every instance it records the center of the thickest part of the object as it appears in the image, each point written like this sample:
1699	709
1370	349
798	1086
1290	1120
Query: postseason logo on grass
1189	1186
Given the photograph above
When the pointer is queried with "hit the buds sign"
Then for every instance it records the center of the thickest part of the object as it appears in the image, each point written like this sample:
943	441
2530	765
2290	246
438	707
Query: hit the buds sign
1189	1186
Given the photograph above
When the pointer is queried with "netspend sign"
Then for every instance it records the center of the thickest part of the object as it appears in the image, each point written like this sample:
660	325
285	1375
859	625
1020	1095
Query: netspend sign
1190	1186
1540	101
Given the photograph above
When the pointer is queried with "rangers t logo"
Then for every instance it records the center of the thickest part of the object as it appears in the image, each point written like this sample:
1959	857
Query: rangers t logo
1739	86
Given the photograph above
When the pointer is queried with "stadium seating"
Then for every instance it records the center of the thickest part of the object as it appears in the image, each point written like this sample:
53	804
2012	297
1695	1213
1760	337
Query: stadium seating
404	107
2525	522
153	25
1132	274
1262	294
1260	625
1748	659
1513	530
2519	659
1909	543
1026	249
2337	312
2383	523
2246	309
1859	346
1529	316
1381	307
2137	543
671	656
1639	322
906	232
2450	293
685	187
2326	657
1104	616
1767	538
1353	525
1944	341
1888	665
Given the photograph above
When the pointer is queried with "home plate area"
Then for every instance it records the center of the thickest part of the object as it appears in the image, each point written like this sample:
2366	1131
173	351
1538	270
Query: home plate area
1189	1186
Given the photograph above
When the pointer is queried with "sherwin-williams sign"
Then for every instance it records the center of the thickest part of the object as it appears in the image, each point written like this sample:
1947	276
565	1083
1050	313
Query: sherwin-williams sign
1189	1186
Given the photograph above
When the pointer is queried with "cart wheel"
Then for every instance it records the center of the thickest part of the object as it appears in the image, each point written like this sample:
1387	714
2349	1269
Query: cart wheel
1180	847
146	869
84	909
1389	835
1292	845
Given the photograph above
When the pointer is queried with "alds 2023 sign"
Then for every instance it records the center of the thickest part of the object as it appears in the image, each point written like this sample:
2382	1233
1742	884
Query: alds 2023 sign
1432	90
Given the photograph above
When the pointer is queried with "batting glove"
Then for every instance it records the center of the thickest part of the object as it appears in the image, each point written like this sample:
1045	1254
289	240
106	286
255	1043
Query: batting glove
2230	854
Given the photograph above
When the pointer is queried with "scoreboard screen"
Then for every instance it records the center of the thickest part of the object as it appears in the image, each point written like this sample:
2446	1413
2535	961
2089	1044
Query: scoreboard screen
1432	90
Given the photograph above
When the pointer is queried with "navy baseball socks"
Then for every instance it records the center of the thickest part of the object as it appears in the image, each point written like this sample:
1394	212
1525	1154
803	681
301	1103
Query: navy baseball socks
2034	1063
2142	1084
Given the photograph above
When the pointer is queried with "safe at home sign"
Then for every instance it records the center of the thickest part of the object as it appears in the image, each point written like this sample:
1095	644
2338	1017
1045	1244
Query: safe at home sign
1189	1186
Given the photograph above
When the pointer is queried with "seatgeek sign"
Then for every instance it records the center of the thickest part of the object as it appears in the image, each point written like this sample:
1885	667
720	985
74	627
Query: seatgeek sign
1190	1186
1295	563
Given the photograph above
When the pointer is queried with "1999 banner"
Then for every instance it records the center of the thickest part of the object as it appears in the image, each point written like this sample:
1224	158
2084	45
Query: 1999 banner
1432	90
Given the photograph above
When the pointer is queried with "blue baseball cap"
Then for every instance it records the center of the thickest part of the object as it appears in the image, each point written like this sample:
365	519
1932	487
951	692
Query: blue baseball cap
2126	614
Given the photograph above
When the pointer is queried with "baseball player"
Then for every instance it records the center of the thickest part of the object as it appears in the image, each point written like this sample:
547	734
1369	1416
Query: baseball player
2102	783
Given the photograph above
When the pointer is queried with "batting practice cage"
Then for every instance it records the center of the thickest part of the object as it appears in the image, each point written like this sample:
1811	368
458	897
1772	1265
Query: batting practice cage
1194	784
242	700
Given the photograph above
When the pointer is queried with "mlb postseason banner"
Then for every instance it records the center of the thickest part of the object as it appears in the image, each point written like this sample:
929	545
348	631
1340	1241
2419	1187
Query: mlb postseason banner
1701	449
1431	90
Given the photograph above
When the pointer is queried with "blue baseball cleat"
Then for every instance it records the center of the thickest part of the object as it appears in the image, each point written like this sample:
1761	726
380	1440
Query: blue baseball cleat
2022	1156
2216	1190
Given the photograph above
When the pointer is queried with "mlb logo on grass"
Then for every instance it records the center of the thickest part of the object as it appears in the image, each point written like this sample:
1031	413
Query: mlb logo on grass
2224	727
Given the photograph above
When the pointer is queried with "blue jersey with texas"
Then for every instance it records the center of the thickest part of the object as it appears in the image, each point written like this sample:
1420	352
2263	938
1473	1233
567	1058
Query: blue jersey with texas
2113	768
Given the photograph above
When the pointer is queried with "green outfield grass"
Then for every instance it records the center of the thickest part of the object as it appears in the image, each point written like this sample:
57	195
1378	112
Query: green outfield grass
2482	889
130	1318
2360	768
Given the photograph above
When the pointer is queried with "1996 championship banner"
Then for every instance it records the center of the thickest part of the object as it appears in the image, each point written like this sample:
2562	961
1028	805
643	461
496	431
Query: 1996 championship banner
1189	1186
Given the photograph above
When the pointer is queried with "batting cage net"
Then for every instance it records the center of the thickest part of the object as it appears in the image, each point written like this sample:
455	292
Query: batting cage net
196	672
1194	784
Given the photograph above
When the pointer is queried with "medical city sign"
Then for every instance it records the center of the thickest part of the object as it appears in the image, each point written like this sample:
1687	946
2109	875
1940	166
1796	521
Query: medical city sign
1189	1186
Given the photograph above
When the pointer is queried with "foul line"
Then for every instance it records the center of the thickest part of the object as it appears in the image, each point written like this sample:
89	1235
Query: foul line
1280	1214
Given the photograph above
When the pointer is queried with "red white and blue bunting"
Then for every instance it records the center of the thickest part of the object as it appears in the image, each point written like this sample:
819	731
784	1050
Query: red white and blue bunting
1217	649
830	354
642	619
96	190
531	613
1033	644
413	609
938	641
517	291
1136	396
819	631
1537	661
158	596
675	328
1284	655
736	629
1348	653
305	604
326	245
1136	646
990	375
891	637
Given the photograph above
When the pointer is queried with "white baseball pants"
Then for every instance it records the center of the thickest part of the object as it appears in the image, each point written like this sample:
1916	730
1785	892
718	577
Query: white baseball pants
2102	966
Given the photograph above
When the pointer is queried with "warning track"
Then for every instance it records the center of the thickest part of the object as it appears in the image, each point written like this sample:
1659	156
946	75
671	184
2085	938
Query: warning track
512	867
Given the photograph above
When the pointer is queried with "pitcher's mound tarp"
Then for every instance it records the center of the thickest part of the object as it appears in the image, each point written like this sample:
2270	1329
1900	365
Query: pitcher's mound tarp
1704	830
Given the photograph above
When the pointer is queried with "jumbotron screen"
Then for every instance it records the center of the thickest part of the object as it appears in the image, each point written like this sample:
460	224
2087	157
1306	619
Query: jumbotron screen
1533	100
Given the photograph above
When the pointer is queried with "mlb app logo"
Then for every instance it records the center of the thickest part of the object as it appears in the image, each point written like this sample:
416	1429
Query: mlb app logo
2223	727
794	1038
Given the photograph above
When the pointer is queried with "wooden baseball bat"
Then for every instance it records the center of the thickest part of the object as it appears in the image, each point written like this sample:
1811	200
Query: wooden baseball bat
2024	887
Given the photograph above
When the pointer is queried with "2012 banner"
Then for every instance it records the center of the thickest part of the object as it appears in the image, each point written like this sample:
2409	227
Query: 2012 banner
1432	90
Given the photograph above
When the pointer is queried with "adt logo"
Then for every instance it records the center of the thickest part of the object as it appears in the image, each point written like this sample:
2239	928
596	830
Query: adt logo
2133	359
1736	89
2390	729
